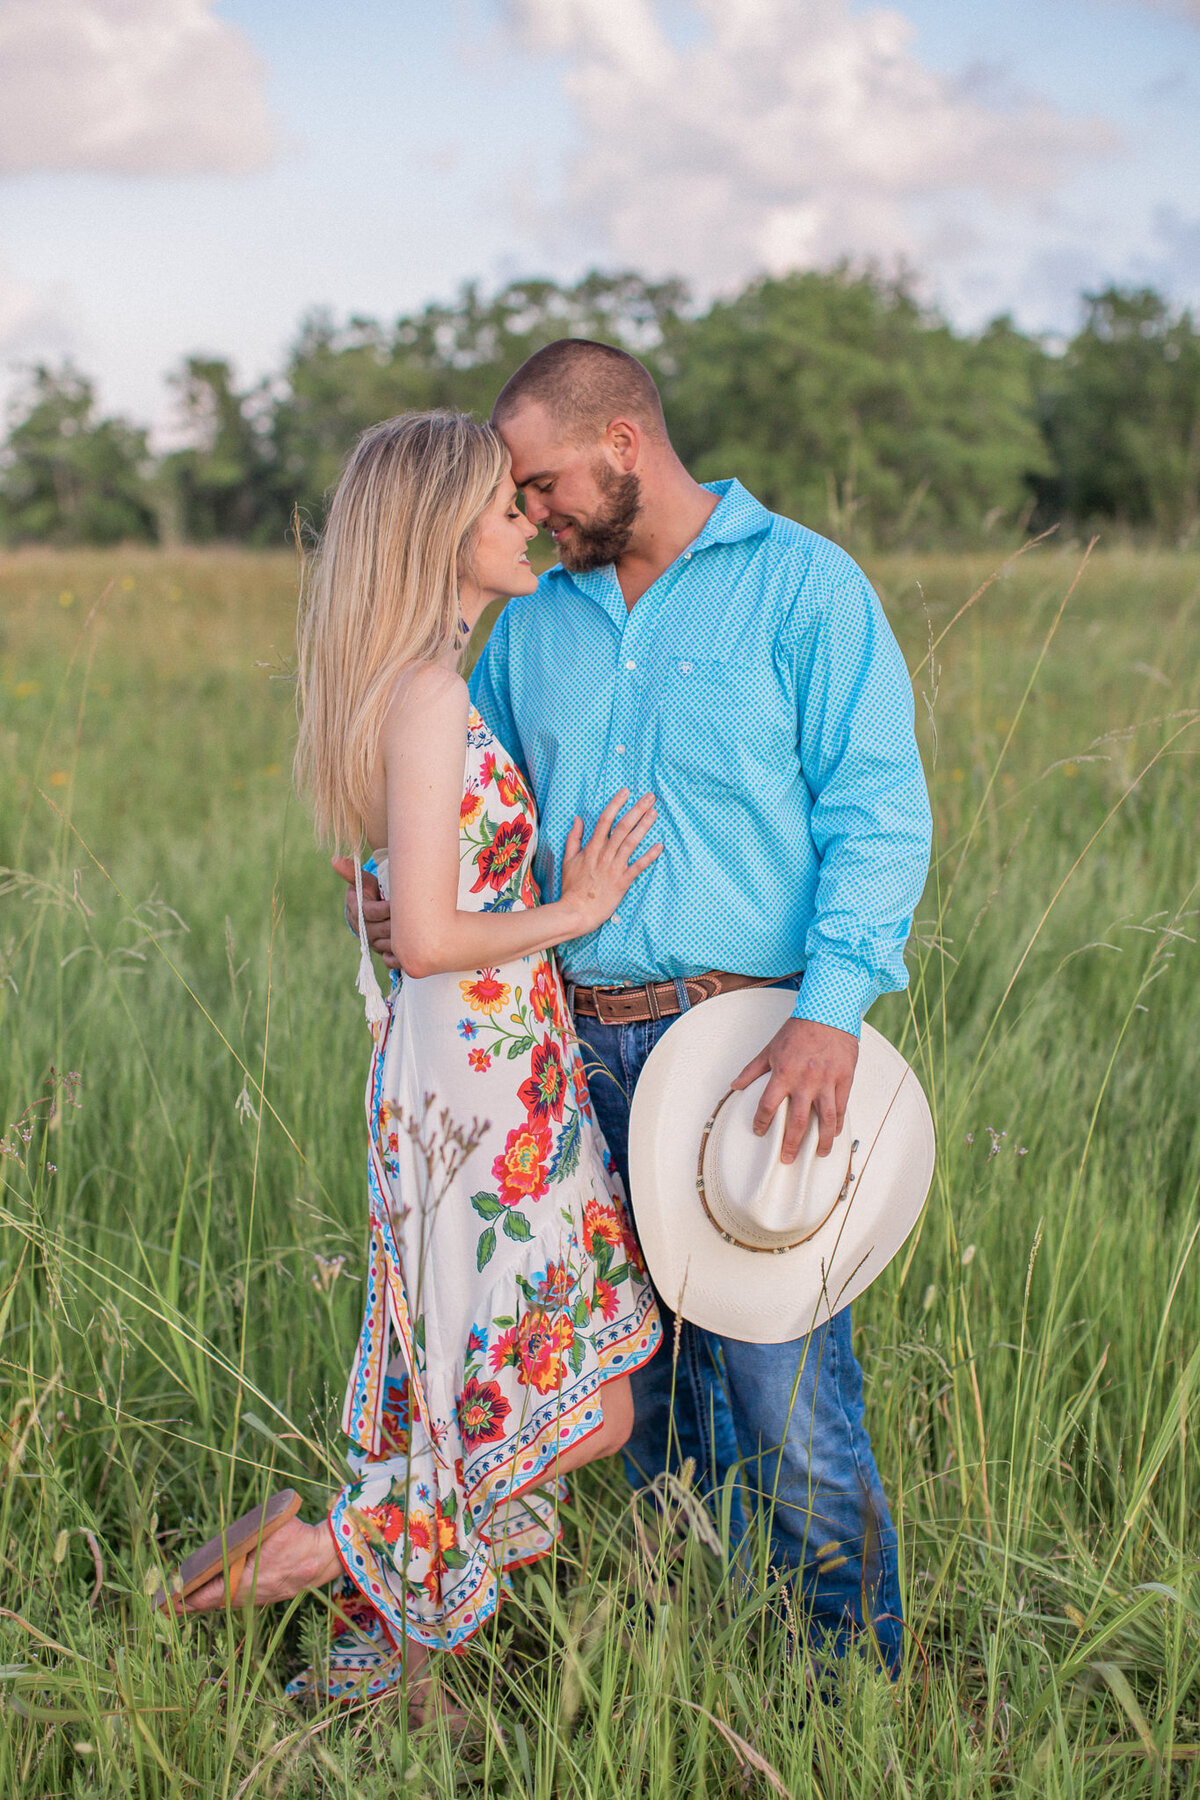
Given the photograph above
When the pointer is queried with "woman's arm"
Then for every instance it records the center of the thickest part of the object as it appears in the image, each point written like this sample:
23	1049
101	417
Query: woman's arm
423	744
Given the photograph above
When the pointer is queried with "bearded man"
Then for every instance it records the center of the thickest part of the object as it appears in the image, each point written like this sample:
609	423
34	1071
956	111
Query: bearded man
693	645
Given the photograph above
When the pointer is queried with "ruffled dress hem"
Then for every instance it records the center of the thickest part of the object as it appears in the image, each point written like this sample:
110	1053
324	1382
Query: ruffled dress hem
476	1607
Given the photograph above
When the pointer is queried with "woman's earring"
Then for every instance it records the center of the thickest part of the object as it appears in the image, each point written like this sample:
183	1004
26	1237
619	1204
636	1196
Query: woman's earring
462	636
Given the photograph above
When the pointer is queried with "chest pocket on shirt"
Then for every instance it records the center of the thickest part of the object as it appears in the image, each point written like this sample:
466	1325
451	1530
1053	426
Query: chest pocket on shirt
720	720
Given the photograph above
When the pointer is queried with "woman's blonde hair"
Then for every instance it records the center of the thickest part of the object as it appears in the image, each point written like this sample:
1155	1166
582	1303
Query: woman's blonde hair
380	594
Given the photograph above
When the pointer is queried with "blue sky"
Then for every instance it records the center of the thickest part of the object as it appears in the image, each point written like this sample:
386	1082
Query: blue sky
199	182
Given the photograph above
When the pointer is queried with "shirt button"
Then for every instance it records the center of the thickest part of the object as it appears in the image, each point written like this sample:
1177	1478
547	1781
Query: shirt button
615	917
687	556
631	665
618	749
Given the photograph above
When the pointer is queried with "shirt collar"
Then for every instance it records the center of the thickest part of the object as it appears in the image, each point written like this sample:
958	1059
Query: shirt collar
737	515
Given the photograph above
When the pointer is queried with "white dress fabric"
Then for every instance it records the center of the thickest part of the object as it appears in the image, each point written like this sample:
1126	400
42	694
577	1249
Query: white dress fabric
504	1284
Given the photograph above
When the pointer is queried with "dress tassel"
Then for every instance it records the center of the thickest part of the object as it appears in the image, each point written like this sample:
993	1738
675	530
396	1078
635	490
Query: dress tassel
368	982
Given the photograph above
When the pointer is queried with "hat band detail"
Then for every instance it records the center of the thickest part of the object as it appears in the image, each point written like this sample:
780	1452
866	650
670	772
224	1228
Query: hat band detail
740	1243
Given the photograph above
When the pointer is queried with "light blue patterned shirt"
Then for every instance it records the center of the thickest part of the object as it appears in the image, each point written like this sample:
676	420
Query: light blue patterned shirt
757	690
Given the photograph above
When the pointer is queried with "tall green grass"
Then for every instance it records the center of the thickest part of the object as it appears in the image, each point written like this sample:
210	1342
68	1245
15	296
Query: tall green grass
174	1324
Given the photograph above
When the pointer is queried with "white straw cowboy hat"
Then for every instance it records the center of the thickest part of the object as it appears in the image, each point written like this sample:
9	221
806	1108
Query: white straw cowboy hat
736	1241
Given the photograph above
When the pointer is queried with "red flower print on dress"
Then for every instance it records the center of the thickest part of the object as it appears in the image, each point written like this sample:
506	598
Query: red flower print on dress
510	787
542	1344
600	1221
606	1301
435	1536
633	1250
388	1520
487	994
488	768
480	1060
520	1168
482	1410
470	807
498	861
504	1351
543	1094
583	1099
556	1285
543	997
536	1346
531	893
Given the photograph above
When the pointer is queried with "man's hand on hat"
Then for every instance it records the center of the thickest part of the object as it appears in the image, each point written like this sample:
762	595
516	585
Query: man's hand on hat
812	1067
377	914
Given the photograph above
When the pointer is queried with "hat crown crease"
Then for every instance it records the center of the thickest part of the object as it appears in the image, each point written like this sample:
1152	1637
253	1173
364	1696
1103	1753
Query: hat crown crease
754	1198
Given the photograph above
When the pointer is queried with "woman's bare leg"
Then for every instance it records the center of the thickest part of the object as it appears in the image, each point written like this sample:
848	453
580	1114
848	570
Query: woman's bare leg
616	1404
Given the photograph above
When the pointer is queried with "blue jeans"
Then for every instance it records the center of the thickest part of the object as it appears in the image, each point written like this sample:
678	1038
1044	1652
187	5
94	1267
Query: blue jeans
790	1415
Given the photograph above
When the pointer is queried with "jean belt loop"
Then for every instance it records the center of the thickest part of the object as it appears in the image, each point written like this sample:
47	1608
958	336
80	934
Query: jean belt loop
681	994
571	986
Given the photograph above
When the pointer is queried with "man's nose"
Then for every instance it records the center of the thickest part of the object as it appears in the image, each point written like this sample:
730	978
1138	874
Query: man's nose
536	510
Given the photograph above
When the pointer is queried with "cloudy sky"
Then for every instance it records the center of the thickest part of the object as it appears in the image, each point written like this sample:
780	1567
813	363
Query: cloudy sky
193	175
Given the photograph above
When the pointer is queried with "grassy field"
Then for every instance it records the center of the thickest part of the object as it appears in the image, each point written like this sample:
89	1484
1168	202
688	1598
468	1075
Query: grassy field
182	1057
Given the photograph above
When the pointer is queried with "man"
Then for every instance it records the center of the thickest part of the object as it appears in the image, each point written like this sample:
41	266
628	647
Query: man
738	666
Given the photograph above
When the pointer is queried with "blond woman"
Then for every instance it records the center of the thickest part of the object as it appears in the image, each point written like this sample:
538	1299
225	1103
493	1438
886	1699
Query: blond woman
506	1303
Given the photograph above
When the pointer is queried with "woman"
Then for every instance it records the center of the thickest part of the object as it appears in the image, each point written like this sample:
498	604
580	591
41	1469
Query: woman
505	1299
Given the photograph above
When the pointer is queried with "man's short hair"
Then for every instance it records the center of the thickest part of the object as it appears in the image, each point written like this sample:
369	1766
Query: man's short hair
584	386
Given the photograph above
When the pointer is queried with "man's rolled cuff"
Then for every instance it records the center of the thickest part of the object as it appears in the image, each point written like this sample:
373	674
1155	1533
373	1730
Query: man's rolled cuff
836	993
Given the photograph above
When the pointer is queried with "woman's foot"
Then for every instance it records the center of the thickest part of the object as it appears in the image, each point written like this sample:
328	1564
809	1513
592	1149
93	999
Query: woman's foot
295	1558
427	1698
363	1663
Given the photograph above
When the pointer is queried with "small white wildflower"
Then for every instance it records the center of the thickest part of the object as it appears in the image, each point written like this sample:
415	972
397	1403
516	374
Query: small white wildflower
968	1256
328	1270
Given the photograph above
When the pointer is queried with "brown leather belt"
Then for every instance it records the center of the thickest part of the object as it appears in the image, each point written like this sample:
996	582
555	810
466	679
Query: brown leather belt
659	999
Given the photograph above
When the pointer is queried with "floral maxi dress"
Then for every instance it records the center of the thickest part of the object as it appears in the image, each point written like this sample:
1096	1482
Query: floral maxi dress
504	1285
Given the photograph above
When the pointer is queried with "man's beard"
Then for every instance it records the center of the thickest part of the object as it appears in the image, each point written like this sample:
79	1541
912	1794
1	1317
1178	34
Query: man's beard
606	537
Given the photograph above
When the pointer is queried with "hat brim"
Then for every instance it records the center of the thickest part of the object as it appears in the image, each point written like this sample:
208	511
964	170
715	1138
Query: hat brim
756	1297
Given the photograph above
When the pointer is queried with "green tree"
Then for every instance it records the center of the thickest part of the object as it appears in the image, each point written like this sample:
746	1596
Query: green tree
840	400
67	476
340	380
1121	413
221	482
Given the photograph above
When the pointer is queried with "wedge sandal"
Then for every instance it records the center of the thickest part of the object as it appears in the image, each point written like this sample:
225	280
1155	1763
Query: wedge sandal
228	1552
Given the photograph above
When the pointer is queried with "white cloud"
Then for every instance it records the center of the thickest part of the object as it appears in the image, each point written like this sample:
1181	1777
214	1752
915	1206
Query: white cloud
136	87
18	309
36	324
787	133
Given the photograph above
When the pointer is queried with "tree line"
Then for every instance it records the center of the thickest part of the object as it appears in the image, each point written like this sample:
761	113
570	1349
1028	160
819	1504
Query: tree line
835	396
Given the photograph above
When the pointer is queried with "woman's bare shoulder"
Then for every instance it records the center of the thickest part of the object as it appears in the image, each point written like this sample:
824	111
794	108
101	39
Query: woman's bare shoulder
428	698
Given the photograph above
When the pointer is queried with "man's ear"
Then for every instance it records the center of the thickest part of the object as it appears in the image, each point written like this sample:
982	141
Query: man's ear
623	441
